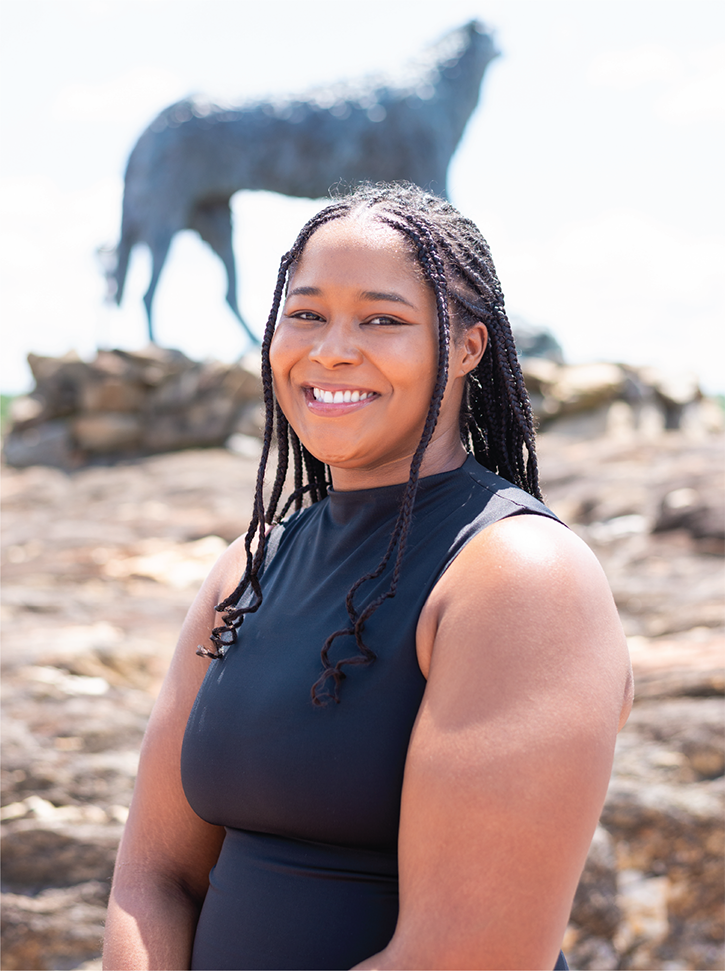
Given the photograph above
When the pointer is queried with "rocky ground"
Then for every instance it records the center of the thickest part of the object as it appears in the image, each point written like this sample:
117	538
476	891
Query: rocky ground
100	564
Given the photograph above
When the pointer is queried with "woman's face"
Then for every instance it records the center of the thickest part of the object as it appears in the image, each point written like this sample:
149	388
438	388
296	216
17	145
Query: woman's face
354	356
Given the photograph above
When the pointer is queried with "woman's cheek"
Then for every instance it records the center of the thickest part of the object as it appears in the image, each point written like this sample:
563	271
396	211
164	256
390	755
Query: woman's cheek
280	366
284	352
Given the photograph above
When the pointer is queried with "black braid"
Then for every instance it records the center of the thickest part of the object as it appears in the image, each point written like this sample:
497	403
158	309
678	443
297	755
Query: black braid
299	489
496	420
282	464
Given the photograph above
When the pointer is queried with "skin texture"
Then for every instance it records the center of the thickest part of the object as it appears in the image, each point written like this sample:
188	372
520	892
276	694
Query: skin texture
527	667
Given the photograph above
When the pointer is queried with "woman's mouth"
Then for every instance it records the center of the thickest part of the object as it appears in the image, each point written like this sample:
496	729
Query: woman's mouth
328	401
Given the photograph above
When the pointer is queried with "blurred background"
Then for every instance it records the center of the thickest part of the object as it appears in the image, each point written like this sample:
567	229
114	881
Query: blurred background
593	166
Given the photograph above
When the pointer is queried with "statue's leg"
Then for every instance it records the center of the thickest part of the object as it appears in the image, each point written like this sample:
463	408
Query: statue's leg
117	276
213	222
159	251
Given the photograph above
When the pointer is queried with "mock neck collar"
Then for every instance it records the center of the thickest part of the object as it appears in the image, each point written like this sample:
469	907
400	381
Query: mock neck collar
385	500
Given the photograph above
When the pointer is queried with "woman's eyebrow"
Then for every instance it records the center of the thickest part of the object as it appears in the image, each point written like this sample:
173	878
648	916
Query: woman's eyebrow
364	294
305	292
382	295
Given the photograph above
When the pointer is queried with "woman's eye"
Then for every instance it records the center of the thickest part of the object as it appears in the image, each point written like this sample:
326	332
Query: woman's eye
382	320
304	315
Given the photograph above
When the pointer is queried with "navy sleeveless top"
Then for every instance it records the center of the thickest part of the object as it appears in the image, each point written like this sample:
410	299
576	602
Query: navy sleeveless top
310	797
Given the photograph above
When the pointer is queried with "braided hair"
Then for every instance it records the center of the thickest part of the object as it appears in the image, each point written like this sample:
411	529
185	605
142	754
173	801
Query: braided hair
496	421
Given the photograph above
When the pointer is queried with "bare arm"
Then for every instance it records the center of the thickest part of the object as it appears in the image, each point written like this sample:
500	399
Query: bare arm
511	753
166	853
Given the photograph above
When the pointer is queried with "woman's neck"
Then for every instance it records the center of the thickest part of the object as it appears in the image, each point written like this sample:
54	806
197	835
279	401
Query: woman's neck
442	455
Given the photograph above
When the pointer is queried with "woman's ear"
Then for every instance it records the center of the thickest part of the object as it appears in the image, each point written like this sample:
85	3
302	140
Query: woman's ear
473	344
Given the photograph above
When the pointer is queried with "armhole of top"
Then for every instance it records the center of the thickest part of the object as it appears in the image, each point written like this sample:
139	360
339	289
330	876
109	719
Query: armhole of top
460	546
463	542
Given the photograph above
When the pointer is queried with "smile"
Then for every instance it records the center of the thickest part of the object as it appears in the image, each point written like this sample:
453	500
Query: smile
341	397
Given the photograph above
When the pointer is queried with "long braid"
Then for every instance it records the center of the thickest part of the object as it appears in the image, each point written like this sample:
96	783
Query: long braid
298	470
282	464
496	419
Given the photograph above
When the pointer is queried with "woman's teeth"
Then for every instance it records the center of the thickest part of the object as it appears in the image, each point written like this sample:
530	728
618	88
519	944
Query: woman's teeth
340	397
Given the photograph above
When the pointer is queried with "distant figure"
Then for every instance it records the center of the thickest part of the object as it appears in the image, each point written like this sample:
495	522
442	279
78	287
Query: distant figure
190	161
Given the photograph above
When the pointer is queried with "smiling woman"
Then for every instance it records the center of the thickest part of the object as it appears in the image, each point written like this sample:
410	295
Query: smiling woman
399	760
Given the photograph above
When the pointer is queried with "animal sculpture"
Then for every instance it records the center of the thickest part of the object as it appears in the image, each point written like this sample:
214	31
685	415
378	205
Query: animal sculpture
195	155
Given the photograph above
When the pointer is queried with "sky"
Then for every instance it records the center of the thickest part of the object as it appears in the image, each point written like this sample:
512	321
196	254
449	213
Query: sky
592	164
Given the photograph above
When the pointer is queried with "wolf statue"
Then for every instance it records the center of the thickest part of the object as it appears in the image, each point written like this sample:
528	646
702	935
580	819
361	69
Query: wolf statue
195	155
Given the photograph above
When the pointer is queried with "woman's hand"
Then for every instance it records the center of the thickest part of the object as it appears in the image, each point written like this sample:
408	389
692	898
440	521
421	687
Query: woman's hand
510	757
166	853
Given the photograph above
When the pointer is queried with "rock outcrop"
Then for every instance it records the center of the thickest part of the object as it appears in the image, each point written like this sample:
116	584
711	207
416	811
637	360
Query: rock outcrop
564	394
128	403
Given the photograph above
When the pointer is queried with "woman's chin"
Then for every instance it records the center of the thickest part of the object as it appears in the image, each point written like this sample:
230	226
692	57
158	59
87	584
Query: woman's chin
337	452
340	460
351	454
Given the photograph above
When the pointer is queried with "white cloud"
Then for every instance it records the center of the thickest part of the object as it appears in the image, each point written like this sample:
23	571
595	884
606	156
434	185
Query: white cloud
699	96
628	69
52	287
128	98
651	254
623	286
691	88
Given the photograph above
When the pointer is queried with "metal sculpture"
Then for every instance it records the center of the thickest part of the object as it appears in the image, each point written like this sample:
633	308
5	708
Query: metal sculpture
195	155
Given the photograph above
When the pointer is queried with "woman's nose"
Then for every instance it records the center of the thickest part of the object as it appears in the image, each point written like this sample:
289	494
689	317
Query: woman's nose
336	345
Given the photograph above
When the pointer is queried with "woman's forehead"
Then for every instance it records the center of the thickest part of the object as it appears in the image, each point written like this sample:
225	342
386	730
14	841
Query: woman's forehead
362	227
360	237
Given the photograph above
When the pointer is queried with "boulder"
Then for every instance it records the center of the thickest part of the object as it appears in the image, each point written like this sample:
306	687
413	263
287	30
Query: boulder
584	387
111	394
108	432
698	508
49	443
125	404
202	421
533	341
25	410
58	383
558	390
673	391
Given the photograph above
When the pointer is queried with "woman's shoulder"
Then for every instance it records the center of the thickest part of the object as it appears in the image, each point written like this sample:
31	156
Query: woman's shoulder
523	588
526	557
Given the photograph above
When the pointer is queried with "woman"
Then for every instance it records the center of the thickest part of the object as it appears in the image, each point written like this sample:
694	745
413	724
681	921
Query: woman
400	757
